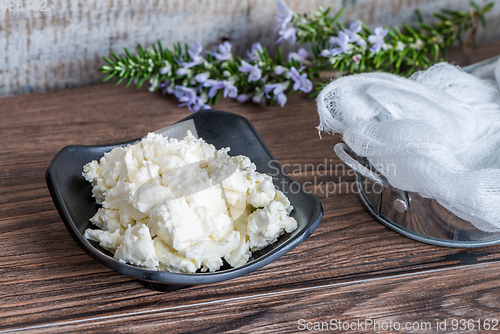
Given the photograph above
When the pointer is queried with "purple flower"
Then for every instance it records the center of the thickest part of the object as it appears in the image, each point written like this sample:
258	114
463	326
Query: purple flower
224	51
255	72
279	70
187	96
194	52
378	39
284	16
244	97
199	103
287	34
166	87
181	71
258	98
342	41
300	81
352	32
201	77
215	85
278	90
253	54
355	27
184	94
301	55
165	69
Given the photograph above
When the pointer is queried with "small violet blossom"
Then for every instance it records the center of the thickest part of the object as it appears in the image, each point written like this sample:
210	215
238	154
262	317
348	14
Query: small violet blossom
278	90
352	32
187	96
199	104
166	87
242	98
343	42
301	56
378	39
182	71
224	51
279	70
300	81
166	69
259	98
201	77
194	52
255	71
287	34
253	54
215	85
284	16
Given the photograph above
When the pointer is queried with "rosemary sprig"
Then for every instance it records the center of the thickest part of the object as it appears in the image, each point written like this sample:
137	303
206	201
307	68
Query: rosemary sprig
200	79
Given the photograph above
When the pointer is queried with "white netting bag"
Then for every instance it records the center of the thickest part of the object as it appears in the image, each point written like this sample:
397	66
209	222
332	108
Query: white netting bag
436	133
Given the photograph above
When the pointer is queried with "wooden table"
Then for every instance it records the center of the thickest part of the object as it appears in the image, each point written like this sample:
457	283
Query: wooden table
352	268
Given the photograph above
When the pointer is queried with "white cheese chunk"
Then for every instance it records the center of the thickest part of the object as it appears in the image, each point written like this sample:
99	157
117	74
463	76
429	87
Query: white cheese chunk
183	206
136	247
267	224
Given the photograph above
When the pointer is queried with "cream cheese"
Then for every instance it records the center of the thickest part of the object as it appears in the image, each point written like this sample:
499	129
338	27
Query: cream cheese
182	206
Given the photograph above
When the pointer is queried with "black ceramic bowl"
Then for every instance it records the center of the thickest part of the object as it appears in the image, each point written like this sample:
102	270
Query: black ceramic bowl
72	195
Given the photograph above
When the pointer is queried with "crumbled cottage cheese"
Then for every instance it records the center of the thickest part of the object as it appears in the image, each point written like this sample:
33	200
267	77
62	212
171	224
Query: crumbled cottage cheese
181	205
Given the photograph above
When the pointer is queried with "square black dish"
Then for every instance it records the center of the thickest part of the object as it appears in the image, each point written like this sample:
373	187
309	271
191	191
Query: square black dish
72	196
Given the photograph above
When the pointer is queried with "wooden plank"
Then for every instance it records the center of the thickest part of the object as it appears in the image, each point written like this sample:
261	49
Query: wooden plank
415	303
46	279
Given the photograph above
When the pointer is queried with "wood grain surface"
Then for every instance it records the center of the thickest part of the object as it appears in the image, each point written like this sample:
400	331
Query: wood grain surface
351	268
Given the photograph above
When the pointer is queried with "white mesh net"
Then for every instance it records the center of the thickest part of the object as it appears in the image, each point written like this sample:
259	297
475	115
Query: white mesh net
436	133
